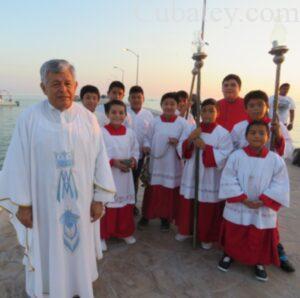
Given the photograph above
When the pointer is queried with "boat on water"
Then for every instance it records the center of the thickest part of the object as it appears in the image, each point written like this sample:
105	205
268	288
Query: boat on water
6	99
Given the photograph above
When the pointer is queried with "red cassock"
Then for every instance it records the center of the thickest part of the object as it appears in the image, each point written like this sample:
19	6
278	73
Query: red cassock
160	202
250	245
231	113
117	223
209	219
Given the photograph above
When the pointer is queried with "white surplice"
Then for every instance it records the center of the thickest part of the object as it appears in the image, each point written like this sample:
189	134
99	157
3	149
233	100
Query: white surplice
220	140
57	163
165	165
254	176
141	124
122	147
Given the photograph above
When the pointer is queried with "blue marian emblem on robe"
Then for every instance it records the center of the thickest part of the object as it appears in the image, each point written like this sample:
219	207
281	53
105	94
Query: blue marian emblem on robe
71	234
66	183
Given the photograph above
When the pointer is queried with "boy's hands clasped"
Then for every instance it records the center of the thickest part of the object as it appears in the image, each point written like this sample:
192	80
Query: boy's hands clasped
253	204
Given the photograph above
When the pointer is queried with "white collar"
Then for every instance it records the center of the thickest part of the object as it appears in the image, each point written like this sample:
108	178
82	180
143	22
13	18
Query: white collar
52	108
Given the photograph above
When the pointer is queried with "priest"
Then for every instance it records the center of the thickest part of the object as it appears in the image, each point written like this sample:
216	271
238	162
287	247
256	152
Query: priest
55	181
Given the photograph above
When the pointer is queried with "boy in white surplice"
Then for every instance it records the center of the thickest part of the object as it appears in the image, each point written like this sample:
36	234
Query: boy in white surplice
255	185
165	165
123	152
256	105
215	145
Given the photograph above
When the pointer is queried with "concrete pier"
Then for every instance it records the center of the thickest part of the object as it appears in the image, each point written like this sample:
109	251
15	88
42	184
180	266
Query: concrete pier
159	266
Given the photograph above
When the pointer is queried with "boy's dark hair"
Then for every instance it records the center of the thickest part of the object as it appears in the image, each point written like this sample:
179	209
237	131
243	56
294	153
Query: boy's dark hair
169	95
89	89
115	102
257	123
233	77
256	94
136	89
182	94
285	85
209	101
116	84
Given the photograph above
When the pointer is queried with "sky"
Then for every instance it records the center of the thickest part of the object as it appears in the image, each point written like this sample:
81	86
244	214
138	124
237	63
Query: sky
91	34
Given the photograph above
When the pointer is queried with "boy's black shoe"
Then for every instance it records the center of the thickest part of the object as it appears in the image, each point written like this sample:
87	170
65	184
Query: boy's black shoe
164	225
136	211
260	273
287	266
225	263
143	223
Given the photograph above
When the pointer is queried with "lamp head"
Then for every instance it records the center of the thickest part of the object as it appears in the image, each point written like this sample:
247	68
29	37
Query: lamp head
278	36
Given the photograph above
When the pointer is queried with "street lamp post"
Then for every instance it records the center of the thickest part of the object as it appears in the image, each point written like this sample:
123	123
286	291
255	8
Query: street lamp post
137	63
122	70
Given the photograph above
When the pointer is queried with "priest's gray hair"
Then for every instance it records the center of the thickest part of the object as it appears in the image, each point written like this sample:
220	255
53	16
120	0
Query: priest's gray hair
55	66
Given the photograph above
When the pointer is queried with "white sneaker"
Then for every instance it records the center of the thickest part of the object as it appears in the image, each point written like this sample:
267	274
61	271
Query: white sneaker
103	245
129	240
206	245
180	237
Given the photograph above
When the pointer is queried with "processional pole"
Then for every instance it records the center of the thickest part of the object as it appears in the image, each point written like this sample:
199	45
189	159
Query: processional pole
196	69
278	52
198	57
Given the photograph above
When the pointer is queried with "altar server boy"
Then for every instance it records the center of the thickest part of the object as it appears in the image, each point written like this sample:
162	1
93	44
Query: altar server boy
184	106
165	164
215	145
255	185
141	119
256	104
123	152
231	107
90	97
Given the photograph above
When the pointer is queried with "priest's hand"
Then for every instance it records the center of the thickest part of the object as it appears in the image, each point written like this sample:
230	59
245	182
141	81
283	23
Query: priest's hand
24	215
173	141
97	210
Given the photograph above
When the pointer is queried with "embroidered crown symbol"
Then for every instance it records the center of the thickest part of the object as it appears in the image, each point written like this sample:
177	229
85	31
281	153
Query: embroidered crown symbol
64	159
